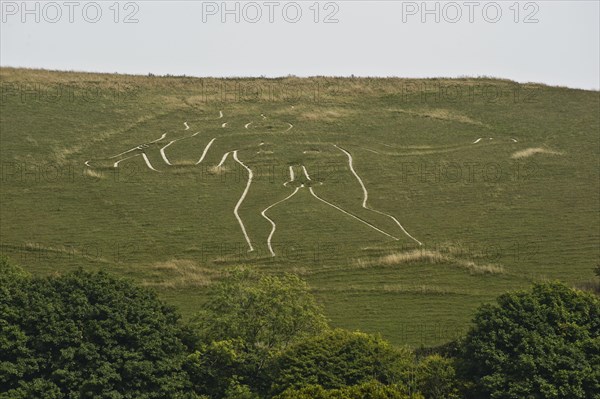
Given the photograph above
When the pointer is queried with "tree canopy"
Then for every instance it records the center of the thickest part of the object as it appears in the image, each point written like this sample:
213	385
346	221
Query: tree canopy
248	319
340	358
371	390
542	343
264	311
87	335
91	335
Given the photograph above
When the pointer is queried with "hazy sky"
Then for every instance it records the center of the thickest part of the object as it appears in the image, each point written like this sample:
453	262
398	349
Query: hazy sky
554	42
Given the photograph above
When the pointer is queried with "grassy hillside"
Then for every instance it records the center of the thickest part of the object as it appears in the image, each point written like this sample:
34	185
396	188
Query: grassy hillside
498	181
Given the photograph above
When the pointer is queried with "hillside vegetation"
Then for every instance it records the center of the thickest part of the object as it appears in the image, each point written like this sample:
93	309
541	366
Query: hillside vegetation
405	204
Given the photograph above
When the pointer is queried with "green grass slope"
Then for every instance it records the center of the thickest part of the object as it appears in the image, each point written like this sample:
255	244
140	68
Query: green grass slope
519	205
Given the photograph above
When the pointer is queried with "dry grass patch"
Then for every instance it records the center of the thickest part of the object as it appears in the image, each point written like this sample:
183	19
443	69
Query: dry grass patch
324	115
441	114
217	170
94	174
171	101
178	273
532	151
592	285
481	269
198	102
413	256
91	253
430	257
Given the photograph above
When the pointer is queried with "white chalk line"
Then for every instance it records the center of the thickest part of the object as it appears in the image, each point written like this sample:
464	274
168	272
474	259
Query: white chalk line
273	225
366	196
160	138
206	150
162	150
116	164
491	138
291	176
223	159
289	128
307	175
148	162
305	172
351	215
350	163
237	206
163	155
139	147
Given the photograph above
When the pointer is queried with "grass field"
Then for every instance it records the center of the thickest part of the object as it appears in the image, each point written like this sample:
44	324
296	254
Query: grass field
499	181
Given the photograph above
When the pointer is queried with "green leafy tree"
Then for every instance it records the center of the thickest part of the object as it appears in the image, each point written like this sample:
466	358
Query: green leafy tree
543	343
88	335
214	368
370	390
436	378
264	311
247	320
340	358
239	391
10	271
